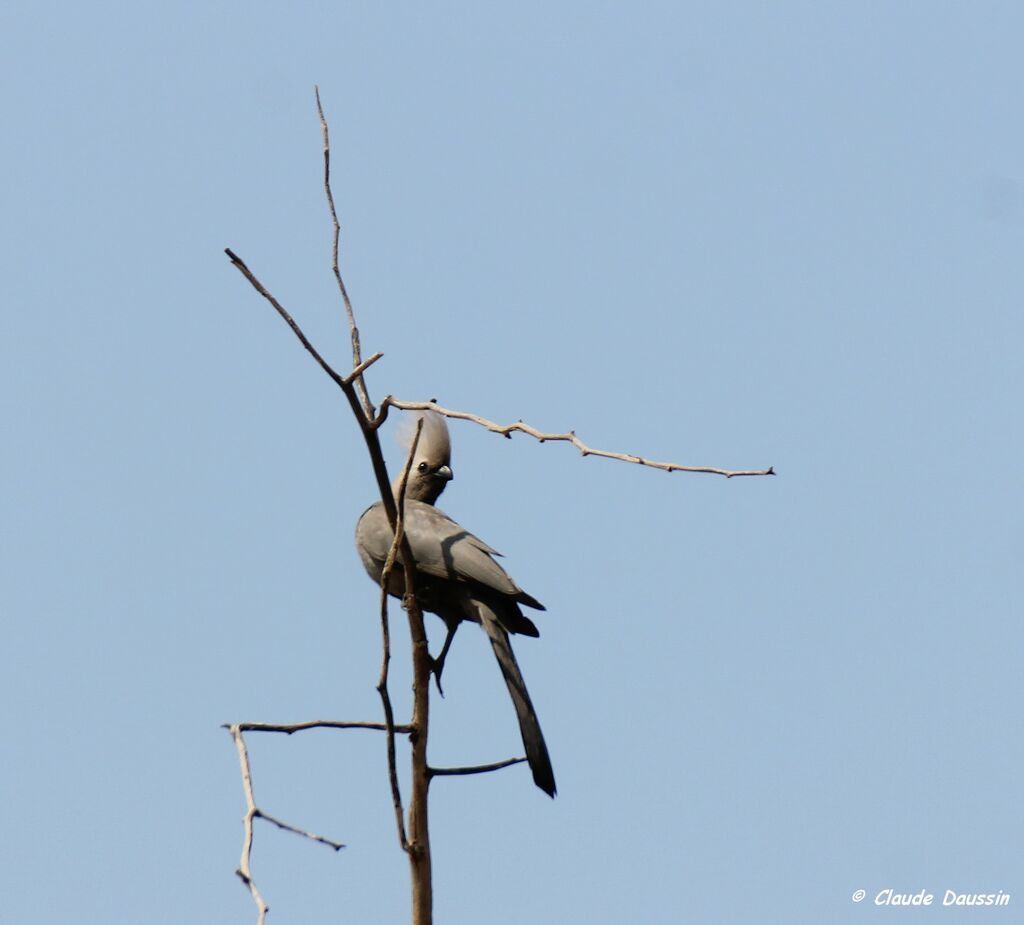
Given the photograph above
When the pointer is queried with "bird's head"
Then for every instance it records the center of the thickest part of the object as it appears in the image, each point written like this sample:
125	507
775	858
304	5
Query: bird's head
431	468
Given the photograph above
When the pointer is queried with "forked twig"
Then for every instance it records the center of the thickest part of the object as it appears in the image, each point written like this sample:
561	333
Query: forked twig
244	866
253	812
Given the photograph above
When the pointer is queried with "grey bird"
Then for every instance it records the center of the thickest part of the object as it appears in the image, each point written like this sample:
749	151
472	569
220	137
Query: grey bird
456	578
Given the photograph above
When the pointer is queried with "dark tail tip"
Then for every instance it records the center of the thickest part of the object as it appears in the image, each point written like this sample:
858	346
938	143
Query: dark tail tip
540	765
547	784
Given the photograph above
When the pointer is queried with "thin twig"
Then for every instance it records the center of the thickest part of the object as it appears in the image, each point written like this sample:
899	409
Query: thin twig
353	330
291	728
253	812
569	437
244	868
385	627
366	426
312	836
474	769
362	367
283	312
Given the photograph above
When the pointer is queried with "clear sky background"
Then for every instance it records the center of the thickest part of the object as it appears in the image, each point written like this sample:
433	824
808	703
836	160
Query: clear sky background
740	234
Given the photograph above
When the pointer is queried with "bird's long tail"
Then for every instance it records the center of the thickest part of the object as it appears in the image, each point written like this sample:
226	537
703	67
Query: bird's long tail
529	725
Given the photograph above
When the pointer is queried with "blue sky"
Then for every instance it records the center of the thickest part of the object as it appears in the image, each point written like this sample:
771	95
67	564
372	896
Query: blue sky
738	234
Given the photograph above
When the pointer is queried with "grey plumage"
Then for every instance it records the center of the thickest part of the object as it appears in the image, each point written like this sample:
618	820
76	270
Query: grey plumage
457	578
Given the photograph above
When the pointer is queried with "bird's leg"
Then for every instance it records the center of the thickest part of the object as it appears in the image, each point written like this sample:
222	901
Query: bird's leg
439	661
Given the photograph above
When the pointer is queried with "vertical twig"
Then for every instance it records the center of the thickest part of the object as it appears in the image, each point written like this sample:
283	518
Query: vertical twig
353	330
419	829
415	839
251	812
418	843
385	624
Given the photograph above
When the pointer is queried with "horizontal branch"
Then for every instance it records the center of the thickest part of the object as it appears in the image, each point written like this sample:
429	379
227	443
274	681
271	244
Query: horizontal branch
315	724
569	437
474	769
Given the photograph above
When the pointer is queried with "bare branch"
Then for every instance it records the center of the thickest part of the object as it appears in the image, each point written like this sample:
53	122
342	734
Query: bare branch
382	416
283	312
569	437
418	837
413	835
474	769
244	869
253	812
291	728
312	836
362	367
353	330
385	626
420	863
369	431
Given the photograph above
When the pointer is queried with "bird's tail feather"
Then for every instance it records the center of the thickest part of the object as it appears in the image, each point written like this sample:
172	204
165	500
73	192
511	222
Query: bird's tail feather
529	725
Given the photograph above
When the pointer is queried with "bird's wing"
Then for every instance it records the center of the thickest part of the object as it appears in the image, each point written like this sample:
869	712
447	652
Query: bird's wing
446	550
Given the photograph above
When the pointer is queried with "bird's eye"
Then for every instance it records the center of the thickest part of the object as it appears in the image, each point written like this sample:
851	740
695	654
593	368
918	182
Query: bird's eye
422	467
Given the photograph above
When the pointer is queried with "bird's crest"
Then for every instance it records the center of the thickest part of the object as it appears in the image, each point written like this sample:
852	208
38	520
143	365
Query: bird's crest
435	445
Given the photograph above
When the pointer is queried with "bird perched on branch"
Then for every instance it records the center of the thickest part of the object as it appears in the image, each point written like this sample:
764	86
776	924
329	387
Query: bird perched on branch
457	578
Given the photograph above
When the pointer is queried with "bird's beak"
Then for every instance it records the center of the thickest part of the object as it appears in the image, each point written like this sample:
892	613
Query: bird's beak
445	472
